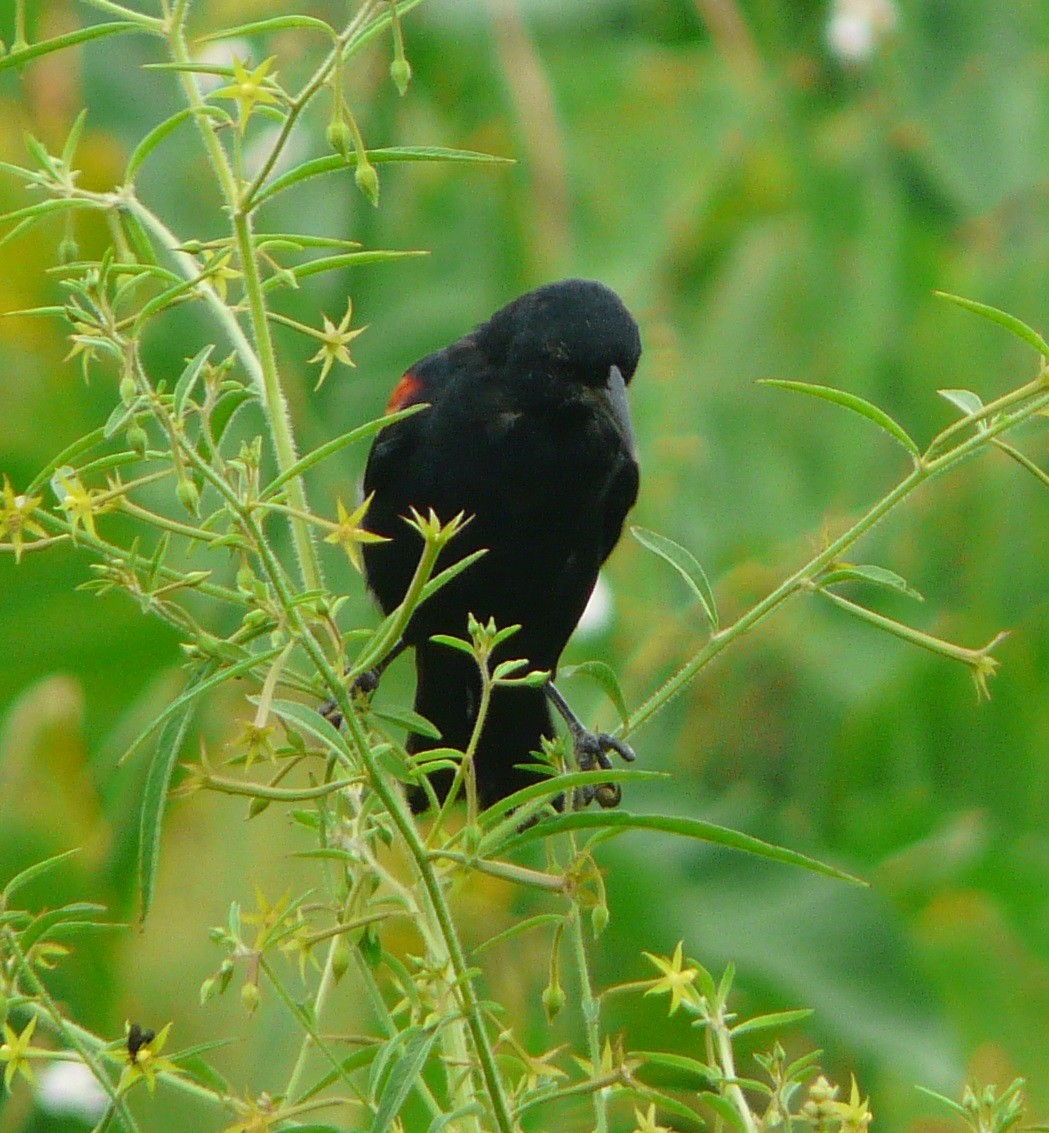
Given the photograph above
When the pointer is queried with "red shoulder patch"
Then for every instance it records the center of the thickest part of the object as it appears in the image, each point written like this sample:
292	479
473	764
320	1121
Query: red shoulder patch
405	393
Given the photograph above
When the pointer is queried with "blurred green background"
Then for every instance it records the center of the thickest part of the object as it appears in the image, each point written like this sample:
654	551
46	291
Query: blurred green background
775	187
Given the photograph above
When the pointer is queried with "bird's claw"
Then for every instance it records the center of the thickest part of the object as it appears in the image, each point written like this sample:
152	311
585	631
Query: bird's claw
591	751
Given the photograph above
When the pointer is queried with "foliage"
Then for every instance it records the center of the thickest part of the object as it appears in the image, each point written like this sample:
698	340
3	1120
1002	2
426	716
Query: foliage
189	494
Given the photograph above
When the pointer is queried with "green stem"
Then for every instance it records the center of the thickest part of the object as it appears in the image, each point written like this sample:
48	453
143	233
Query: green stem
266	376
69	1033
150	22
591	1008
299	102
926	470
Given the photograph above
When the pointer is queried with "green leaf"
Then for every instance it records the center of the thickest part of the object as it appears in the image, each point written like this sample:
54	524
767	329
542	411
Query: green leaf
724	1109
690	1066
333	163
551	788
187	379
540	920
42	208
605	676
868	572
155	798
1024	461
71	917
225	410
777	1019
332	263
961	1111
1010	322
362	432
73	139
155	136
686	564
408	719
963	399
307	718
850	401
71	39
117	419
666	1102
31	873
402	1078
263	27
453	643
694	828
450	572
196	688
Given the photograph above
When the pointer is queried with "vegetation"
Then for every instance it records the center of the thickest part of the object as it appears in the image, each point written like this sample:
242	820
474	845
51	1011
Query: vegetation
194	264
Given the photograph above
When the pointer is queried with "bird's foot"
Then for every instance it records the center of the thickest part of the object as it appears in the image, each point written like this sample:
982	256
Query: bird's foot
591	751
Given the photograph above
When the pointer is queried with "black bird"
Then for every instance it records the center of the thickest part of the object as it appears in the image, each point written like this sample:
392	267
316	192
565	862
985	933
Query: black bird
528	432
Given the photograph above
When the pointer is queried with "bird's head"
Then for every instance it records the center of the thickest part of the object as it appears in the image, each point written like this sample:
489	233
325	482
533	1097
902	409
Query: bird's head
577	327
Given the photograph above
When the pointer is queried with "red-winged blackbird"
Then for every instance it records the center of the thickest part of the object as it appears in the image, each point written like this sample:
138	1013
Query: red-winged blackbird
528	432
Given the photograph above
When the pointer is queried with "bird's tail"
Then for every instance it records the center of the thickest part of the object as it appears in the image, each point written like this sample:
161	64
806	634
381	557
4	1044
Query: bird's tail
448	694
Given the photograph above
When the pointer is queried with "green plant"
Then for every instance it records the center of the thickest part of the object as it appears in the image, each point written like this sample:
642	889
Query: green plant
193	499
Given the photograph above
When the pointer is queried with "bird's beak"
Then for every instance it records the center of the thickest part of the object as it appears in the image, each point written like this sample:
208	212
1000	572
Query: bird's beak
620	407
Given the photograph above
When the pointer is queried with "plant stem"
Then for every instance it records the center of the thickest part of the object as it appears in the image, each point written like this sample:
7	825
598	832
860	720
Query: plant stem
1036	397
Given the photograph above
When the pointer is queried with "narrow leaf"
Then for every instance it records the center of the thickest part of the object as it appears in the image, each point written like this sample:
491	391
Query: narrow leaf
332	263
263	27
362	432
155	136
690	1066
225	410
187	379
540	920
72	39
197	688
963	399
605	676
333	163
451	642
73	139
402	1078
724	1109
1010	322
30	873
694	828
777	1019
154	801
686	564
450	572
310	720
408	719
850	401
117	419
1024	462
868	572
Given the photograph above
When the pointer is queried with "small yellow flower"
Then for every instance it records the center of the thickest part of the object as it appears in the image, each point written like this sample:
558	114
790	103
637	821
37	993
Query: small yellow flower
16	518
646	1122
144	1058
334	341
854	1115
249	88
15	1051
257	739
80	504
350	535
676	979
